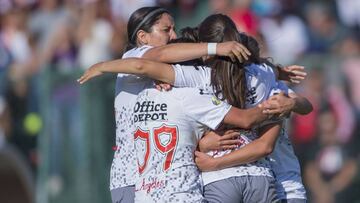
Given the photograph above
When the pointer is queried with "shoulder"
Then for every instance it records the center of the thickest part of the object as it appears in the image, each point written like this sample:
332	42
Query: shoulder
136	52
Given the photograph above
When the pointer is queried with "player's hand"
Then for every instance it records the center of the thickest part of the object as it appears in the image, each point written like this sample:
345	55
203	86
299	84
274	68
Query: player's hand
294	74
93	71
234	50
205	162
279	104
213	141
162	86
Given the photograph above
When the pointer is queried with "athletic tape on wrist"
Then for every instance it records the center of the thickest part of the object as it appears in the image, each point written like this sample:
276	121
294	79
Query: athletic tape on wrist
211	48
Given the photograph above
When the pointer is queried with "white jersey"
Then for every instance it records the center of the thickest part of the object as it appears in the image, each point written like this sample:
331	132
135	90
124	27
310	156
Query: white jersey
168	128
124	169
261	83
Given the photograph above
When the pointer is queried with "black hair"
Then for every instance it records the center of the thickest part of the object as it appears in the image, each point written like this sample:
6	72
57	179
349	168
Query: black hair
142	19
188	35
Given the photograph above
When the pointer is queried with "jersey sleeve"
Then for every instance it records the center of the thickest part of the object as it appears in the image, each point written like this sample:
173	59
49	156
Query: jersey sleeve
137	52
191	76
205	108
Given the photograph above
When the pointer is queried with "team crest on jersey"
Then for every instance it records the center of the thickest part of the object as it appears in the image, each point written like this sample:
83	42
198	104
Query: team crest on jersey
216	101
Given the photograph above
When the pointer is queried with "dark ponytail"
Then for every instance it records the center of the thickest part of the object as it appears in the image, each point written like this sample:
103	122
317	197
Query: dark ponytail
142	19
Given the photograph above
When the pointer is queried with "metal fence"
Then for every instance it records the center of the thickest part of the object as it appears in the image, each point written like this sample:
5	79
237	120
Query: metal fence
75	144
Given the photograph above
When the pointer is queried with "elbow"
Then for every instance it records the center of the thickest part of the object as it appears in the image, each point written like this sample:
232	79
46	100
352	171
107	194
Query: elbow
268	150
139	66
247	124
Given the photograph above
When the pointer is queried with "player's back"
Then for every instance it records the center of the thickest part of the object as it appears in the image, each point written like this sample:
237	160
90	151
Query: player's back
123	168
165	140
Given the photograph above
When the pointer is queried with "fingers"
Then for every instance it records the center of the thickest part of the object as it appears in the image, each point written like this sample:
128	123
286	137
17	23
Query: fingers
243	50
229	142
272	111
296	73
271	106
158	87
296	79
229	147
83	79
232	57
163	87
229	135
238	56
299	73
200	154
295	68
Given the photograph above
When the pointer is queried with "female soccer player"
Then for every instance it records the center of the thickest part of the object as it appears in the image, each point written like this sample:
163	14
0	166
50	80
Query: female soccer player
171	80
147	27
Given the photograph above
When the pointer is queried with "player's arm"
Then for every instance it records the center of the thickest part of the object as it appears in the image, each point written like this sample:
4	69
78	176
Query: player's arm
253	151
281	104
158	71
178	52
245	118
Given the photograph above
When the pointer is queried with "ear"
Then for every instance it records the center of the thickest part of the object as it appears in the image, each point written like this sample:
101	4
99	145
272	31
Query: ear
142	37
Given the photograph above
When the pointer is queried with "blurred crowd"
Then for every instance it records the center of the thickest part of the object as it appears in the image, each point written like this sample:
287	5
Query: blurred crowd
67	36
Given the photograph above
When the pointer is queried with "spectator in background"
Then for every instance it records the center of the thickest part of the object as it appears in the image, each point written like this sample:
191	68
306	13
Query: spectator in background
14	36
189	13
17	55
239	11
349	12
124	8
284	35
44	23
56	54
5	123
17	97
244	18
94	34
320	90
5	61
220	6
349	50
324	31
331	169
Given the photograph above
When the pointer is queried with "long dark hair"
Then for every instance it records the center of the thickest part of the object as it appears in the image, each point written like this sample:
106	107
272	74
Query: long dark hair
227	77
142	19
